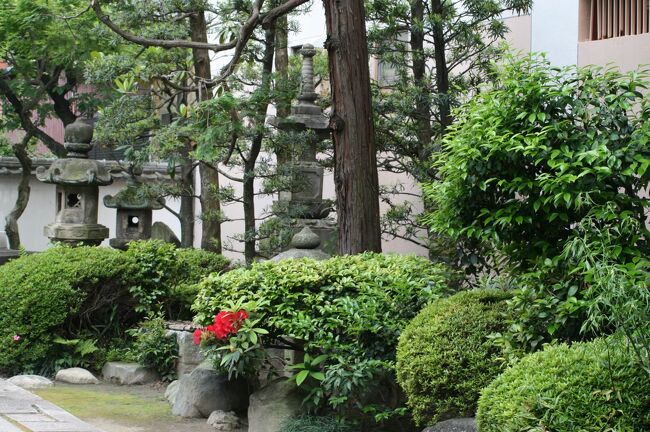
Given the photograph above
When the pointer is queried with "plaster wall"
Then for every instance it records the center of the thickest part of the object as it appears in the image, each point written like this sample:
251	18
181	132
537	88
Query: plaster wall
40	210
555	30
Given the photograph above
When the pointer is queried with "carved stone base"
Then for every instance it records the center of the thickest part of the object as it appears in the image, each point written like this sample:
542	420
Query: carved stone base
76	234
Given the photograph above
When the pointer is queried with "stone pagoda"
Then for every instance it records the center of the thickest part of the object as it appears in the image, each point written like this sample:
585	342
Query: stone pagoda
134	211
306	204
77	181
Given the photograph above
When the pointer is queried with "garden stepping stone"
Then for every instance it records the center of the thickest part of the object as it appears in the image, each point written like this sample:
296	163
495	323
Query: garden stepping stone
76	375
30	382
128	373
454	425
22	411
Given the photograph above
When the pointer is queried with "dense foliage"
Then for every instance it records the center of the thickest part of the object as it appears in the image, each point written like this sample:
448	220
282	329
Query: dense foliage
154	348
539	153
84	292
345	313
594	386
445	358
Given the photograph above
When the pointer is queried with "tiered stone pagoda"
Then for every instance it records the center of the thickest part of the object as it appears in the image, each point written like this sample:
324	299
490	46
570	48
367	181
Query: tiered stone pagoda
306	204
134	212
77	181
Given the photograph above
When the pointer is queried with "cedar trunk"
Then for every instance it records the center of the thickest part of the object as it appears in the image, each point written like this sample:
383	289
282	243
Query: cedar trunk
210	205
353	133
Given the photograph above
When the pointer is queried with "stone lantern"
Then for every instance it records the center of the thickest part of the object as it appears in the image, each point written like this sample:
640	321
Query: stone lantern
306	204
134	212
77	181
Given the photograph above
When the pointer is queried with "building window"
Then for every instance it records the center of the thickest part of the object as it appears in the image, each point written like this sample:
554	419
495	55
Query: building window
608	19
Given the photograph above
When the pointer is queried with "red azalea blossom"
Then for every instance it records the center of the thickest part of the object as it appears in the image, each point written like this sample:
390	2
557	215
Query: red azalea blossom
197	336
225	324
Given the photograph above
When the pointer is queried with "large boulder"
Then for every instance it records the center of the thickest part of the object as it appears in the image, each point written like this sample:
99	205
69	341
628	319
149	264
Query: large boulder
205	390
454	425
272	405
128	373
161	231
30	382
76	375
171	392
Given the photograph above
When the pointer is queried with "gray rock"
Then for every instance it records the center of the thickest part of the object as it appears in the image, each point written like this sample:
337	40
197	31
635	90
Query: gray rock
454	425
189	353
76	376
160	231
204	391
273	405
30	382
171	392
226	421
128	373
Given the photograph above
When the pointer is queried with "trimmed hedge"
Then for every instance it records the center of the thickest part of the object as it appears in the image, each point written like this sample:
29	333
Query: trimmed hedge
444	356
587	387
350	308
82	292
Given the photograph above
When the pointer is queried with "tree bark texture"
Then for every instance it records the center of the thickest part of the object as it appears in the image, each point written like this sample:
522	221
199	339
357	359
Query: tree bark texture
11	220
186	211
355	173
250	229
210	205
442	72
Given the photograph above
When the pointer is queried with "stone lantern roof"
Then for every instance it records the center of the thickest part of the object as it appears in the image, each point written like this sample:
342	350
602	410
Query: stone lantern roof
130	198
76	169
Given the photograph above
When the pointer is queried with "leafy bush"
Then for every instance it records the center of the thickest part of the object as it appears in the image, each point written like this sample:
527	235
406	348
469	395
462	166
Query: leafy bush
315	424
591	386
350	309
529	159
154	348
444	356
169	276
83	292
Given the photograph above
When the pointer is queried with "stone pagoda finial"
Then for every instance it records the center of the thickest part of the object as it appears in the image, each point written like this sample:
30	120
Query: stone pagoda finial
308	90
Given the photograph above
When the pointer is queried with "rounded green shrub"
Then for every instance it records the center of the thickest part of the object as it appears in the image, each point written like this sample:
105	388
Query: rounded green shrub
444	356
591	386
90	293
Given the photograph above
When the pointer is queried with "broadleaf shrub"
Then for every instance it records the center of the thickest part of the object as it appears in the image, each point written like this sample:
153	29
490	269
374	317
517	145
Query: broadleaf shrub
530	158
82	292
350	308
590	386
445	356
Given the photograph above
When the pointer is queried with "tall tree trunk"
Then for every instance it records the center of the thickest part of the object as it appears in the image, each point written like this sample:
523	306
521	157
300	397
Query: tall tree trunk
442	71
250	230
422	106
186	212
210	205
283	107
355	172
11	220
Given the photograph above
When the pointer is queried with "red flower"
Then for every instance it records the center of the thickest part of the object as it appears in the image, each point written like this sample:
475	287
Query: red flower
197	336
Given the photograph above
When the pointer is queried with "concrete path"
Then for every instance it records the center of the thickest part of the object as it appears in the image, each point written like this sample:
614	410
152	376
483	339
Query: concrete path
22	411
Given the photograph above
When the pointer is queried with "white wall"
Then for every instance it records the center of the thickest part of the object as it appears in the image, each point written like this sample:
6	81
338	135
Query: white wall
555	30
40	210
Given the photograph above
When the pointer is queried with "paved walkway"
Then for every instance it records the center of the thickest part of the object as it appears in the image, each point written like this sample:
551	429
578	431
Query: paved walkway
22	411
